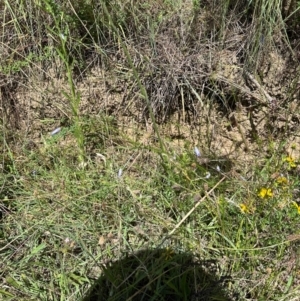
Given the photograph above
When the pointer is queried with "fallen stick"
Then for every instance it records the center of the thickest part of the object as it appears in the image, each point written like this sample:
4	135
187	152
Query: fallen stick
195	206
262	90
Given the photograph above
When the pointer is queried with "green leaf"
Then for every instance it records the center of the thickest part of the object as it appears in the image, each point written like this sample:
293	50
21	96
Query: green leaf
38	248
14	283
5	293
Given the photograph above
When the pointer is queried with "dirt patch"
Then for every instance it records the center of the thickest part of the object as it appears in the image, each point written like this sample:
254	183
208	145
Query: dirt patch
199	87
229	123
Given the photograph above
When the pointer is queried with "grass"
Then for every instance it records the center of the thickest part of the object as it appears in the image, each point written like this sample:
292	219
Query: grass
137	196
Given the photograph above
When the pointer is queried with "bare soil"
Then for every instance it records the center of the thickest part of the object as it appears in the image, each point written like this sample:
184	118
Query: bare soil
243	115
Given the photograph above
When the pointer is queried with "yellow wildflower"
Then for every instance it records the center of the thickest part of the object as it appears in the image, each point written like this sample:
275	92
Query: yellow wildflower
168	253
282	180
290	160
265	192
244	208
297	206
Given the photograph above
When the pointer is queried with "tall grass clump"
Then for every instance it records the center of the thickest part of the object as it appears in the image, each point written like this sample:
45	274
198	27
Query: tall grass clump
61	32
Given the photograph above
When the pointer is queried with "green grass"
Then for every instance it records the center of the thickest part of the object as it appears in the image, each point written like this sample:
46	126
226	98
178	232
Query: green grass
64	223
99	212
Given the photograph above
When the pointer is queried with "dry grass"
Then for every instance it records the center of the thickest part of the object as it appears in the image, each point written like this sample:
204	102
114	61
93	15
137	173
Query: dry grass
118	195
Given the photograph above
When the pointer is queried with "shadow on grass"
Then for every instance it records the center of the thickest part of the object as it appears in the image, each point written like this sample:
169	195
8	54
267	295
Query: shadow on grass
157	275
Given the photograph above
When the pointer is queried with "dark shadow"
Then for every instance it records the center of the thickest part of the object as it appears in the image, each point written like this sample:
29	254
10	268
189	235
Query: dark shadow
157	275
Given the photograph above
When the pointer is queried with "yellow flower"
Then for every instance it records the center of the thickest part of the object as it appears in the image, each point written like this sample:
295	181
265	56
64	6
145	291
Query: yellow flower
297	206
290	160
265	192
282	180
168	253
244	208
